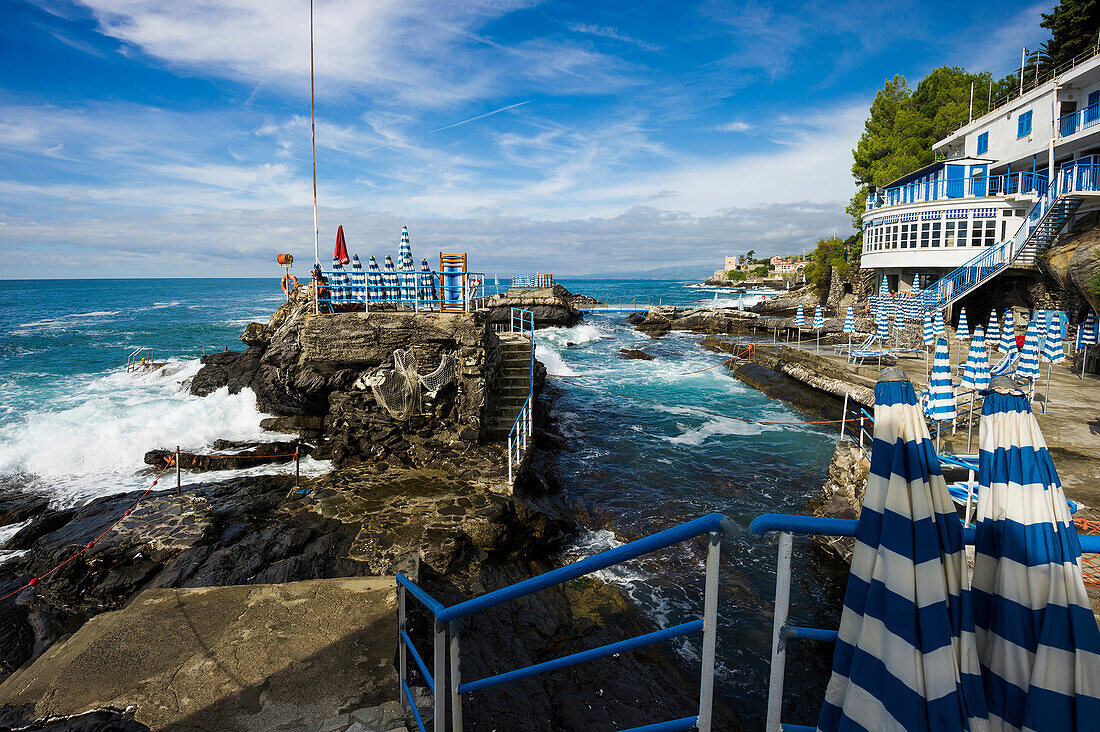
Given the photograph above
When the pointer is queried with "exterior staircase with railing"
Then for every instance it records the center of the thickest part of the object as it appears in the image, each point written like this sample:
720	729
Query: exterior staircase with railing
1044	221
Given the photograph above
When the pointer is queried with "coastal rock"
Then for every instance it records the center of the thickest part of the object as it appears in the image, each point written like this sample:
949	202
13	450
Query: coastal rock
842	495
241	455
634	353
256	334
663	319
552	306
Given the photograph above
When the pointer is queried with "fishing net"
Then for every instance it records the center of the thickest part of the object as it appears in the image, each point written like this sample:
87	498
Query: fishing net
399	391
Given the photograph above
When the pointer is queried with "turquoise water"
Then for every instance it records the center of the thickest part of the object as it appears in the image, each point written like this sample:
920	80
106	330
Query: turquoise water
651	445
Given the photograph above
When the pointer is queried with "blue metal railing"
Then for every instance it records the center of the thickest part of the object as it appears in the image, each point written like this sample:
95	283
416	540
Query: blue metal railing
347	289
975	186
1074	122
787	526
445	621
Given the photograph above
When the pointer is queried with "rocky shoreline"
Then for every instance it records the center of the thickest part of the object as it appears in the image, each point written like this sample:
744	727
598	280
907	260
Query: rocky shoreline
421	493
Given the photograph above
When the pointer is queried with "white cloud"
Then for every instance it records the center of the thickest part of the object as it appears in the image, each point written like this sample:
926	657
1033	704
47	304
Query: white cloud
735	126
614	34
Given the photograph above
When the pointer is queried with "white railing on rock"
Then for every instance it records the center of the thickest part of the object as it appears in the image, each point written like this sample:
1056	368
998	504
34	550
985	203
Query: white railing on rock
523	322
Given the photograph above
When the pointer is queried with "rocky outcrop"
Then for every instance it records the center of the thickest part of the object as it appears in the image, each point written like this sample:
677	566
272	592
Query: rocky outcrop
634	353
1074	264
661	320
230	455
552	306
842	495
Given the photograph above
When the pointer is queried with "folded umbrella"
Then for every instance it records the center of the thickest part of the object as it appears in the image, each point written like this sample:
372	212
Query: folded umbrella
426	288
375	290
1053	352
1037	636
358	280
340	252
389	281
407	268
905	657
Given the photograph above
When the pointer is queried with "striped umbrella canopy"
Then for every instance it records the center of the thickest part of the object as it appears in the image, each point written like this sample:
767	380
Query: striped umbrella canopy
928	335
1037	637
906	655
799	318
1086	332
1007	343
884	288
358	280
882	323
993	328
962	332
819	319
339	281
937	323
390	287
1028	368
849	321
405	265
1052	346
941	394
426	287
976	372
375	291
901	311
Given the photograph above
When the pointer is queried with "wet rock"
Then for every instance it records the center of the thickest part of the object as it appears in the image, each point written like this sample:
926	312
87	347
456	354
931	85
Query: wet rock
293	425
634	353
842	496
256	334
243	455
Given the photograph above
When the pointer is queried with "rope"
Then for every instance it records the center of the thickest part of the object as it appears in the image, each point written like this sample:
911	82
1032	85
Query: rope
36	580
226	457
750	349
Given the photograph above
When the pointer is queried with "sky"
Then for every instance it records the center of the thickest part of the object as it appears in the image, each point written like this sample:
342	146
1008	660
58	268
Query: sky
142	138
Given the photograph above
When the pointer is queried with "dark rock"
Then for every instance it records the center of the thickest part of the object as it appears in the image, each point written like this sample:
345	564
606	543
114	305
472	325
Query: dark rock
634	353
243	455
256	334
292	425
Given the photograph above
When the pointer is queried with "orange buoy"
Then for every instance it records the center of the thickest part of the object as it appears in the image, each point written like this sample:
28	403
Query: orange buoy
285	259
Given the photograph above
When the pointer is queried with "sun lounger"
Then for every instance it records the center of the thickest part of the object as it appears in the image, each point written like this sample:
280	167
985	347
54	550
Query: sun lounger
858	356
1006	365
843	347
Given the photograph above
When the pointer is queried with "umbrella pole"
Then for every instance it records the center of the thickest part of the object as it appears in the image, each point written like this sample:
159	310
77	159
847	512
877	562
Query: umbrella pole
1046	398
819	340
970	423
1084	353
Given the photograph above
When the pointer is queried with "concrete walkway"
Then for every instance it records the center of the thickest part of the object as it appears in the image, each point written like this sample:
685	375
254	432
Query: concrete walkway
238	658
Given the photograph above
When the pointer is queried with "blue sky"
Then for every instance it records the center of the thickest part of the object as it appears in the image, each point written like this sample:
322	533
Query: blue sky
147	138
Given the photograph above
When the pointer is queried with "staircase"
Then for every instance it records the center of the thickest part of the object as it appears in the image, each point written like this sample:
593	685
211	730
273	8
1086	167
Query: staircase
514	384
1045	219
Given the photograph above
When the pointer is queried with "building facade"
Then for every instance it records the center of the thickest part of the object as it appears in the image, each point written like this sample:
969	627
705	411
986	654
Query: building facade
989	186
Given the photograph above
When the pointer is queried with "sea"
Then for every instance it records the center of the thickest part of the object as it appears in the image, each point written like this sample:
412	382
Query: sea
650	443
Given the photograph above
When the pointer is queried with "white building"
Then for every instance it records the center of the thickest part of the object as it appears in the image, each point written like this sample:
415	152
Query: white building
985	206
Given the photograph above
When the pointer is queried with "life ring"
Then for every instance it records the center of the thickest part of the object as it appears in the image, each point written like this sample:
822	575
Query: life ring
867	307
289	278
475	282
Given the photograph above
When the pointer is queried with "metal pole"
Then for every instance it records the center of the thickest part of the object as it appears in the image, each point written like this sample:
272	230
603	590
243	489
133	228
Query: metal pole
1046	398
178	472
779	623
710	633
1023	60
861	418
844	416
401	670
456	678
313	143
439	671
970	423
297	465
971	102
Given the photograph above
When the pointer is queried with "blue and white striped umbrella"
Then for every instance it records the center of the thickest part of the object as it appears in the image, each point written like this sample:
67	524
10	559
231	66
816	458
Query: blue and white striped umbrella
906	655
882	325
799	319
390	285
1037	637
375	290
339	281
993	328
849	321
407	268
1052	346
884	288
1028	367
937	323
928	335
426	288
976	372
1007	343
941	393
358	280
962	332
1086	331
901	311
819	319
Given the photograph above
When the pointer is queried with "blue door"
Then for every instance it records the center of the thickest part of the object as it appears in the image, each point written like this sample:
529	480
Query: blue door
977	179
955	174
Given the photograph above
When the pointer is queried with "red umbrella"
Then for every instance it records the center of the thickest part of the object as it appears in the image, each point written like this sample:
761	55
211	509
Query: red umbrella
340	253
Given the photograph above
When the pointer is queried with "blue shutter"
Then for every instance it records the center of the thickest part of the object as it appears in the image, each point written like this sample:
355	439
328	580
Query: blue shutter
983	143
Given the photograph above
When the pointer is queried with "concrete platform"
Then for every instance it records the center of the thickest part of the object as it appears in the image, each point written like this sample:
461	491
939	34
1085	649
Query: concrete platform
238	658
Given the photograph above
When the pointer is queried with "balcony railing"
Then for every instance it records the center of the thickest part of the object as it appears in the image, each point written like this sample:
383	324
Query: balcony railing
972	187
1082	119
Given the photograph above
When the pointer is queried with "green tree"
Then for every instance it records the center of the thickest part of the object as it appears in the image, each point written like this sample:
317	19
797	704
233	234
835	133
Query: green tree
761	271
737	275
831	252
1073	26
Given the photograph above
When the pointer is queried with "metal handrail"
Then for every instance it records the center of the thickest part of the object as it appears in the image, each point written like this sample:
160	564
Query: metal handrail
787	526
445	620
522	321
983	186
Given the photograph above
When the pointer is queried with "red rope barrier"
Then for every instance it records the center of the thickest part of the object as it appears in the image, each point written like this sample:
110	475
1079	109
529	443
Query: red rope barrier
732	358
36	580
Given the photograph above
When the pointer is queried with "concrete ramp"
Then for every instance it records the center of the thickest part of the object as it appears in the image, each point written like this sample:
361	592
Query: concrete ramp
238	658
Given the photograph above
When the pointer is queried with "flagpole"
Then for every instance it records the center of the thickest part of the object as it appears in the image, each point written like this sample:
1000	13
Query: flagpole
313	144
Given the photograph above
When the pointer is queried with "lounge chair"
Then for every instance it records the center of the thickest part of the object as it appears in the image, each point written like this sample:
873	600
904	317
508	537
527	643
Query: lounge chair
839	348
1006	365
858	356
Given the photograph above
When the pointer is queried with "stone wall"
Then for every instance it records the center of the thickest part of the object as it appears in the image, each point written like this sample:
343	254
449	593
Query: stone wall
842	495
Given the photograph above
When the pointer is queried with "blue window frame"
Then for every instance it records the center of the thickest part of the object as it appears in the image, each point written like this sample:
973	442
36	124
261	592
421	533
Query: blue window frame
983	143
1023	124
